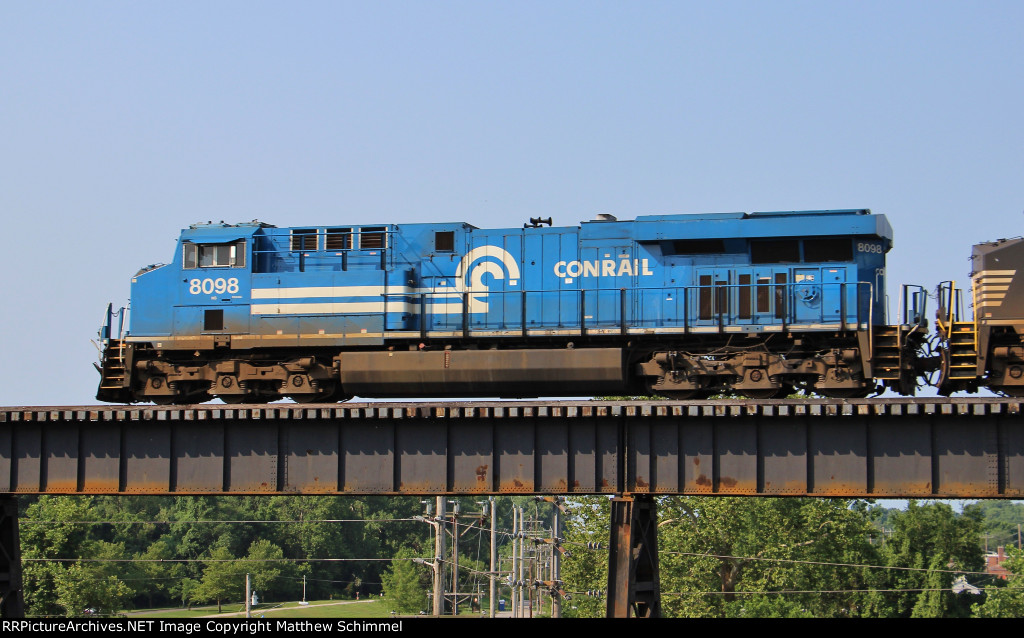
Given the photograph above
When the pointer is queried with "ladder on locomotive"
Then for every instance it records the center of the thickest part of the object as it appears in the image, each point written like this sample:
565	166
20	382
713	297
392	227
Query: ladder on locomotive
114	374
885	354
888	342
114	353
961	336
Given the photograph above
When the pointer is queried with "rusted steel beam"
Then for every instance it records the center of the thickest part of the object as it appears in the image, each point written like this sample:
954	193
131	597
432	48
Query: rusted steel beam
902	448
633	579
12	601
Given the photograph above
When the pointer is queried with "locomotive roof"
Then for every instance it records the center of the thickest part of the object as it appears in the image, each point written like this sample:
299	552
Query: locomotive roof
854	221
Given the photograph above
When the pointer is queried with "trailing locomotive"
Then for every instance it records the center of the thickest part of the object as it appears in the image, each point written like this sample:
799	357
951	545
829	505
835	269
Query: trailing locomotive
681	306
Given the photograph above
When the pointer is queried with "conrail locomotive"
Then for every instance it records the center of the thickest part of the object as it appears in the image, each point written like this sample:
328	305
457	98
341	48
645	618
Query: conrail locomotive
678	306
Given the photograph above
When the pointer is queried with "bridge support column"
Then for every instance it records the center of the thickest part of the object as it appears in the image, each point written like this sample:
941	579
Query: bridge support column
633	584
12	603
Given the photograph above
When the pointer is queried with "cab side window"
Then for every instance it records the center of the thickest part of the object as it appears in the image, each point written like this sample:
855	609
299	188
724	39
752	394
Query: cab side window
230	255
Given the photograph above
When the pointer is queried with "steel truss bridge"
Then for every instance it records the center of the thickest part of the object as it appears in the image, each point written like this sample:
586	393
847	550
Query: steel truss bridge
632	450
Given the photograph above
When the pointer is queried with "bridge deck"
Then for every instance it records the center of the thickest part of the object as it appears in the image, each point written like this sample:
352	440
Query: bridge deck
900	448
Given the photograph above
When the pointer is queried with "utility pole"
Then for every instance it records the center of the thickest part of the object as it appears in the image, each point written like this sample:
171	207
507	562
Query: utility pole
515	561
534	567
556	564
493	591
439	557
455	558
248	606
522	556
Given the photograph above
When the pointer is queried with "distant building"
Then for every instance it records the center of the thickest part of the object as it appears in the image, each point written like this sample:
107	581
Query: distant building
994	563
961	586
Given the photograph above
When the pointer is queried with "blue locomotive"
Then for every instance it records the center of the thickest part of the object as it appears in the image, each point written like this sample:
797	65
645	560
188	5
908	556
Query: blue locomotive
680	306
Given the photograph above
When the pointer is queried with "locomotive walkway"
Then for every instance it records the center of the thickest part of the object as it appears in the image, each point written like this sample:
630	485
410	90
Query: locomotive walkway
633	450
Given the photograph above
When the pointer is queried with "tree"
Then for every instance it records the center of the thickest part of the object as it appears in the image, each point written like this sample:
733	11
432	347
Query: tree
266	568
406	584
80	588
929	544
718	552
164	578
1005	602
585	572
223	579
1002	521
58	584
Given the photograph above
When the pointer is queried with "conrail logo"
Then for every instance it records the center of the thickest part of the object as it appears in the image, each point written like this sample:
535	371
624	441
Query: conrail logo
603	268
484	260
495	263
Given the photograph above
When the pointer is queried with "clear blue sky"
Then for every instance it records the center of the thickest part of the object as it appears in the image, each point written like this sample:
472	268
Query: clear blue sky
122	122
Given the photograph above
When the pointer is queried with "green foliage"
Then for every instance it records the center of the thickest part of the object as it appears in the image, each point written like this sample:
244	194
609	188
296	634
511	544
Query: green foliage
68	587
407	584
223	579
163	579
1005	602
267	570
717	549
80	587
719	557
586	570
1002	520
931	543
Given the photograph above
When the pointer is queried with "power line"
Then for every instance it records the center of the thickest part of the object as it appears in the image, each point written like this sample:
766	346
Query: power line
813	591
208	560
811	562
591	547
319	520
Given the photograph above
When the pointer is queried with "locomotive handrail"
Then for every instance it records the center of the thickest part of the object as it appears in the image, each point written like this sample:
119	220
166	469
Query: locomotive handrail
588	309
106	331
950	307
913	299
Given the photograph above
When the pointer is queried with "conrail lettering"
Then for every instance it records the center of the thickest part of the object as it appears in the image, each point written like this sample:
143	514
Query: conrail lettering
603	268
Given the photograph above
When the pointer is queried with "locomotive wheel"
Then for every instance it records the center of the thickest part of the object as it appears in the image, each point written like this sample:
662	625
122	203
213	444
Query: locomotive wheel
331	395
945	387
676	395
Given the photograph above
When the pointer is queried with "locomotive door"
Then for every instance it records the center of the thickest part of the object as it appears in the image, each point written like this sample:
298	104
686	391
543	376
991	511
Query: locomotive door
714	295
606	271
806	295
552	279
763	294
752	297
832	292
